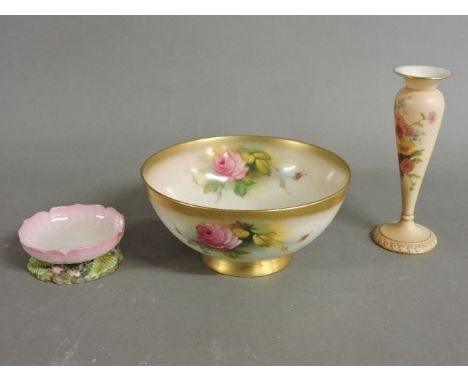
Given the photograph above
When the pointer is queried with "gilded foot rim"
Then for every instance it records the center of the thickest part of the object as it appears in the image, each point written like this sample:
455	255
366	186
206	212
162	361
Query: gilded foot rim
247	268
408	248
76	273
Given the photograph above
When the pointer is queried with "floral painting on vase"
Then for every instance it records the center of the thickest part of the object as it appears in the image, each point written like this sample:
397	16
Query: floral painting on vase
408	134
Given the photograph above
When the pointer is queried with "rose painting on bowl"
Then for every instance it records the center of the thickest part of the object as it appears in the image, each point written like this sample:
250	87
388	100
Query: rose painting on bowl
240	169
237	239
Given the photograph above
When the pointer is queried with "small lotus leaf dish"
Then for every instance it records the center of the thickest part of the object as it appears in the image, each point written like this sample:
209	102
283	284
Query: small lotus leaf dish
246	203
73	244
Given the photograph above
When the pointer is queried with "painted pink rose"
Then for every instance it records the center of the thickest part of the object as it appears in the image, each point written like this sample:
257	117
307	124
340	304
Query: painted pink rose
399	119
406	166
431	117
230	165
215	236
405	131
56	269
402	128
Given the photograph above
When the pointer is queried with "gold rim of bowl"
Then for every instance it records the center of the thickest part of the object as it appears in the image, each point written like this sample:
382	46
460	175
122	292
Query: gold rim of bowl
313	206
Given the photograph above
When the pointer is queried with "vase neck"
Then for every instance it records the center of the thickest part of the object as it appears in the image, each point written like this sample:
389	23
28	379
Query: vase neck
421	83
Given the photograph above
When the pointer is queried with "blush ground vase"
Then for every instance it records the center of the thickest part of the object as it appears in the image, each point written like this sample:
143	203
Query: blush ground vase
419	108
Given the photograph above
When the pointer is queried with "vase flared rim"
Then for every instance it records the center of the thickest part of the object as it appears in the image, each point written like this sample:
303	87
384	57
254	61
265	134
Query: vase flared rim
423	72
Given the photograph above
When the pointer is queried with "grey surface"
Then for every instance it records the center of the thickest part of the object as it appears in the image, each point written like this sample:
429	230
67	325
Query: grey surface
84	100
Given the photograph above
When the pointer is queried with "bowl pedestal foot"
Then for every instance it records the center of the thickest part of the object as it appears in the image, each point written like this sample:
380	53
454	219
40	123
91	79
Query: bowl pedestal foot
246	268
76	273
405	237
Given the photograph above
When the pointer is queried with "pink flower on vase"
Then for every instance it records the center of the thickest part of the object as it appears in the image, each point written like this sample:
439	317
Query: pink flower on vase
76	273
399	119
215	236
56	269
404	131
431	117
406	166
402	128
230	165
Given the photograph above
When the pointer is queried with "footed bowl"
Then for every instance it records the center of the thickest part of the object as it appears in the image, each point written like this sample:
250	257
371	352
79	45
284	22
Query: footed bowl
246	203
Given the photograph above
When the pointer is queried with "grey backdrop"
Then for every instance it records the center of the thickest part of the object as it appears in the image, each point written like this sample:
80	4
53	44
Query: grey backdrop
84	100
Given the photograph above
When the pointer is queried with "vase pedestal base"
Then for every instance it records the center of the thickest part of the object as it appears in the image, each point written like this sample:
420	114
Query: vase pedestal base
405	237
246	268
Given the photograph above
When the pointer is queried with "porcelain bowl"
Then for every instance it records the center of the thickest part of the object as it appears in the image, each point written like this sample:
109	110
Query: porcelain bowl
72	234
246	203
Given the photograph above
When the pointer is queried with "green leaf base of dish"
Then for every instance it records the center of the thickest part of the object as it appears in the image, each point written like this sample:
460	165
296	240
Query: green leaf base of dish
76	273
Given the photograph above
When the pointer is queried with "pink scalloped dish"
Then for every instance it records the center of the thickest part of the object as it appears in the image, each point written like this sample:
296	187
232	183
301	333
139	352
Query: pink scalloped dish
71	238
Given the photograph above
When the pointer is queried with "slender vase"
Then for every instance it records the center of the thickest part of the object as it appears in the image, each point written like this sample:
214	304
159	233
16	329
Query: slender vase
419	108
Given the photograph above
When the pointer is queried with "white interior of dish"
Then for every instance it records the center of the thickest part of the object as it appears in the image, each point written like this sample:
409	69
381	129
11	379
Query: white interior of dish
65	228
321	175
420	71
